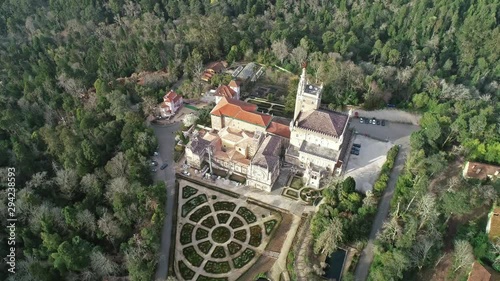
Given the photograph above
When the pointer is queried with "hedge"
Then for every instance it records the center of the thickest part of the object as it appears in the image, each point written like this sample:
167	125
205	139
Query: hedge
383	178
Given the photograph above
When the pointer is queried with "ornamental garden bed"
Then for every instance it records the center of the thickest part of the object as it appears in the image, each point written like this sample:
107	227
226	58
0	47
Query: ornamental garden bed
269	226
235	223
185	271
205	278
192	204
233	247
205	247
224	206
219	252
186	233
192	256
200	213
247	215
188	191
240	235
208	222
308	194
244	258
255	236
223	217
296	183
292	193
201	234
217	267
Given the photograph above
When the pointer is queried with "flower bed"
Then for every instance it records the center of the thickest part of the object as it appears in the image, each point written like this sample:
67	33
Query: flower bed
217	267
192	256
244	258
186	233
221	234
186	272
201	234
205	278
224	206
292	193
313	194
200	213
188	191
205	247
208	222
193	203
233	247
269	226
255	236
223	217
296	183
240	235
235	223
219	253
247	215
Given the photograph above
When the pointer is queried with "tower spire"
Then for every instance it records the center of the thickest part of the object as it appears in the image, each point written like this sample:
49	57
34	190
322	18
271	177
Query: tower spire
300	91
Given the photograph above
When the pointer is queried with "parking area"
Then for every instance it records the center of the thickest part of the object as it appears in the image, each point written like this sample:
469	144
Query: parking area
365	167
375	141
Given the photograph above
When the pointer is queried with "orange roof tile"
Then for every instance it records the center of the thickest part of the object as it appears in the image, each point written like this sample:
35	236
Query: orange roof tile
494	224
225	91
241	110
279	129
479	273
234	83
171	96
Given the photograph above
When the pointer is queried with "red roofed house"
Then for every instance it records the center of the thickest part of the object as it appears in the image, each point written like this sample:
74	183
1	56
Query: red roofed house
239	115
212	69
482	273
226	92
171	103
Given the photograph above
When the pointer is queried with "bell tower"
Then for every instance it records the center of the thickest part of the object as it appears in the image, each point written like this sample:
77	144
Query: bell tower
308	96
300	90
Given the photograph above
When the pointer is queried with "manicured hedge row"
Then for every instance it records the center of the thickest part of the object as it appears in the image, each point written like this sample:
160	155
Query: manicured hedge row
383	178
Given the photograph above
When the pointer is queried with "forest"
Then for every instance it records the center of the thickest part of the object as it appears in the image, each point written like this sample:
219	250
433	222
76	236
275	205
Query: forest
78	141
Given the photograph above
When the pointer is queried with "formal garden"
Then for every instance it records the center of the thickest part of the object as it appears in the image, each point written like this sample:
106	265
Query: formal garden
219	237
298	192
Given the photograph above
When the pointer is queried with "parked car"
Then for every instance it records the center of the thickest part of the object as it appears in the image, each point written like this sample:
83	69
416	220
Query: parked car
361	120
383	122
356	145
154	170
186	173
355	152
163	166
156	153
378	122
154	163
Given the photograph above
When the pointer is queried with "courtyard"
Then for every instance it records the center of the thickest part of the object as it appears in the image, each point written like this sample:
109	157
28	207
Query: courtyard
220	237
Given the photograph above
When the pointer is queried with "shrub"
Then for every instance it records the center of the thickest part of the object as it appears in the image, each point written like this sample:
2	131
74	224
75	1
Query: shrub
200	213
201	234
235	223
269	226
224	206
185	271
192	256
205	246
244	258
193	203
381	182
208	222
217	267
233	247
241	235
186	233
223	217
188	191
204	278
219	252
247	215
255	236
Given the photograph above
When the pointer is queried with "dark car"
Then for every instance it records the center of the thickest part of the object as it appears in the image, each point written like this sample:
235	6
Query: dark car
355	152
163	166
383	122
356	145
378	122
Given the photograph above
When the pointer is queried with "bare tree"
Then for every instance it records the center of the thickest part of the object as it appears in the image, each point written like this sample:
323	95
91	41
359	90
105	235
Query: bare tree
102	265
426	209
149	105
86	221
299	55
117	166
390	230
419	254
117	186
67	180
330	238
280	49
462	255
110	227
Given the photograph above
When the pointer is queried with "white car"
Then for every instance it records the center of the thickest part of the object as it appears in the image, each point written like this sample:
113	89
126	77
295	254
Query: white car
186	173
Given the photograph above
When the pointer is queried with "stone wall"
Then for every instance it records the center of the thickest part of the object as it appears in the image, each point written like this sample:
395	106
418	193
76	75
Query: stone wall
393	115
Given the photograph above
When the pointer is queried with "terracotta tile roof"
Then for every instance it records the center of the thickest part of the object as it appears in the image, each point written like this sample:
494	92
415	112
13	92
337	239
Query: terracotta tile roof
241	110
217	66
479	273
279	129
494	224
171	96
225	91
326	122
481	171
234	83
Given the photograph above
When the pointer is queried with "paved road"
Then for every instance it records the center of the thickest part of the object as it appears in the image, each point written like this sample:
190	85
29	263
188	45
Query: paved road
383	209
166	140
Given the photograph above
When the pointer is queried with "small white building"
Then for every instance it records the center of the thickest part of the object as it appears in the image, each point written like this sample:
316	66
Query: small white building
171	103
